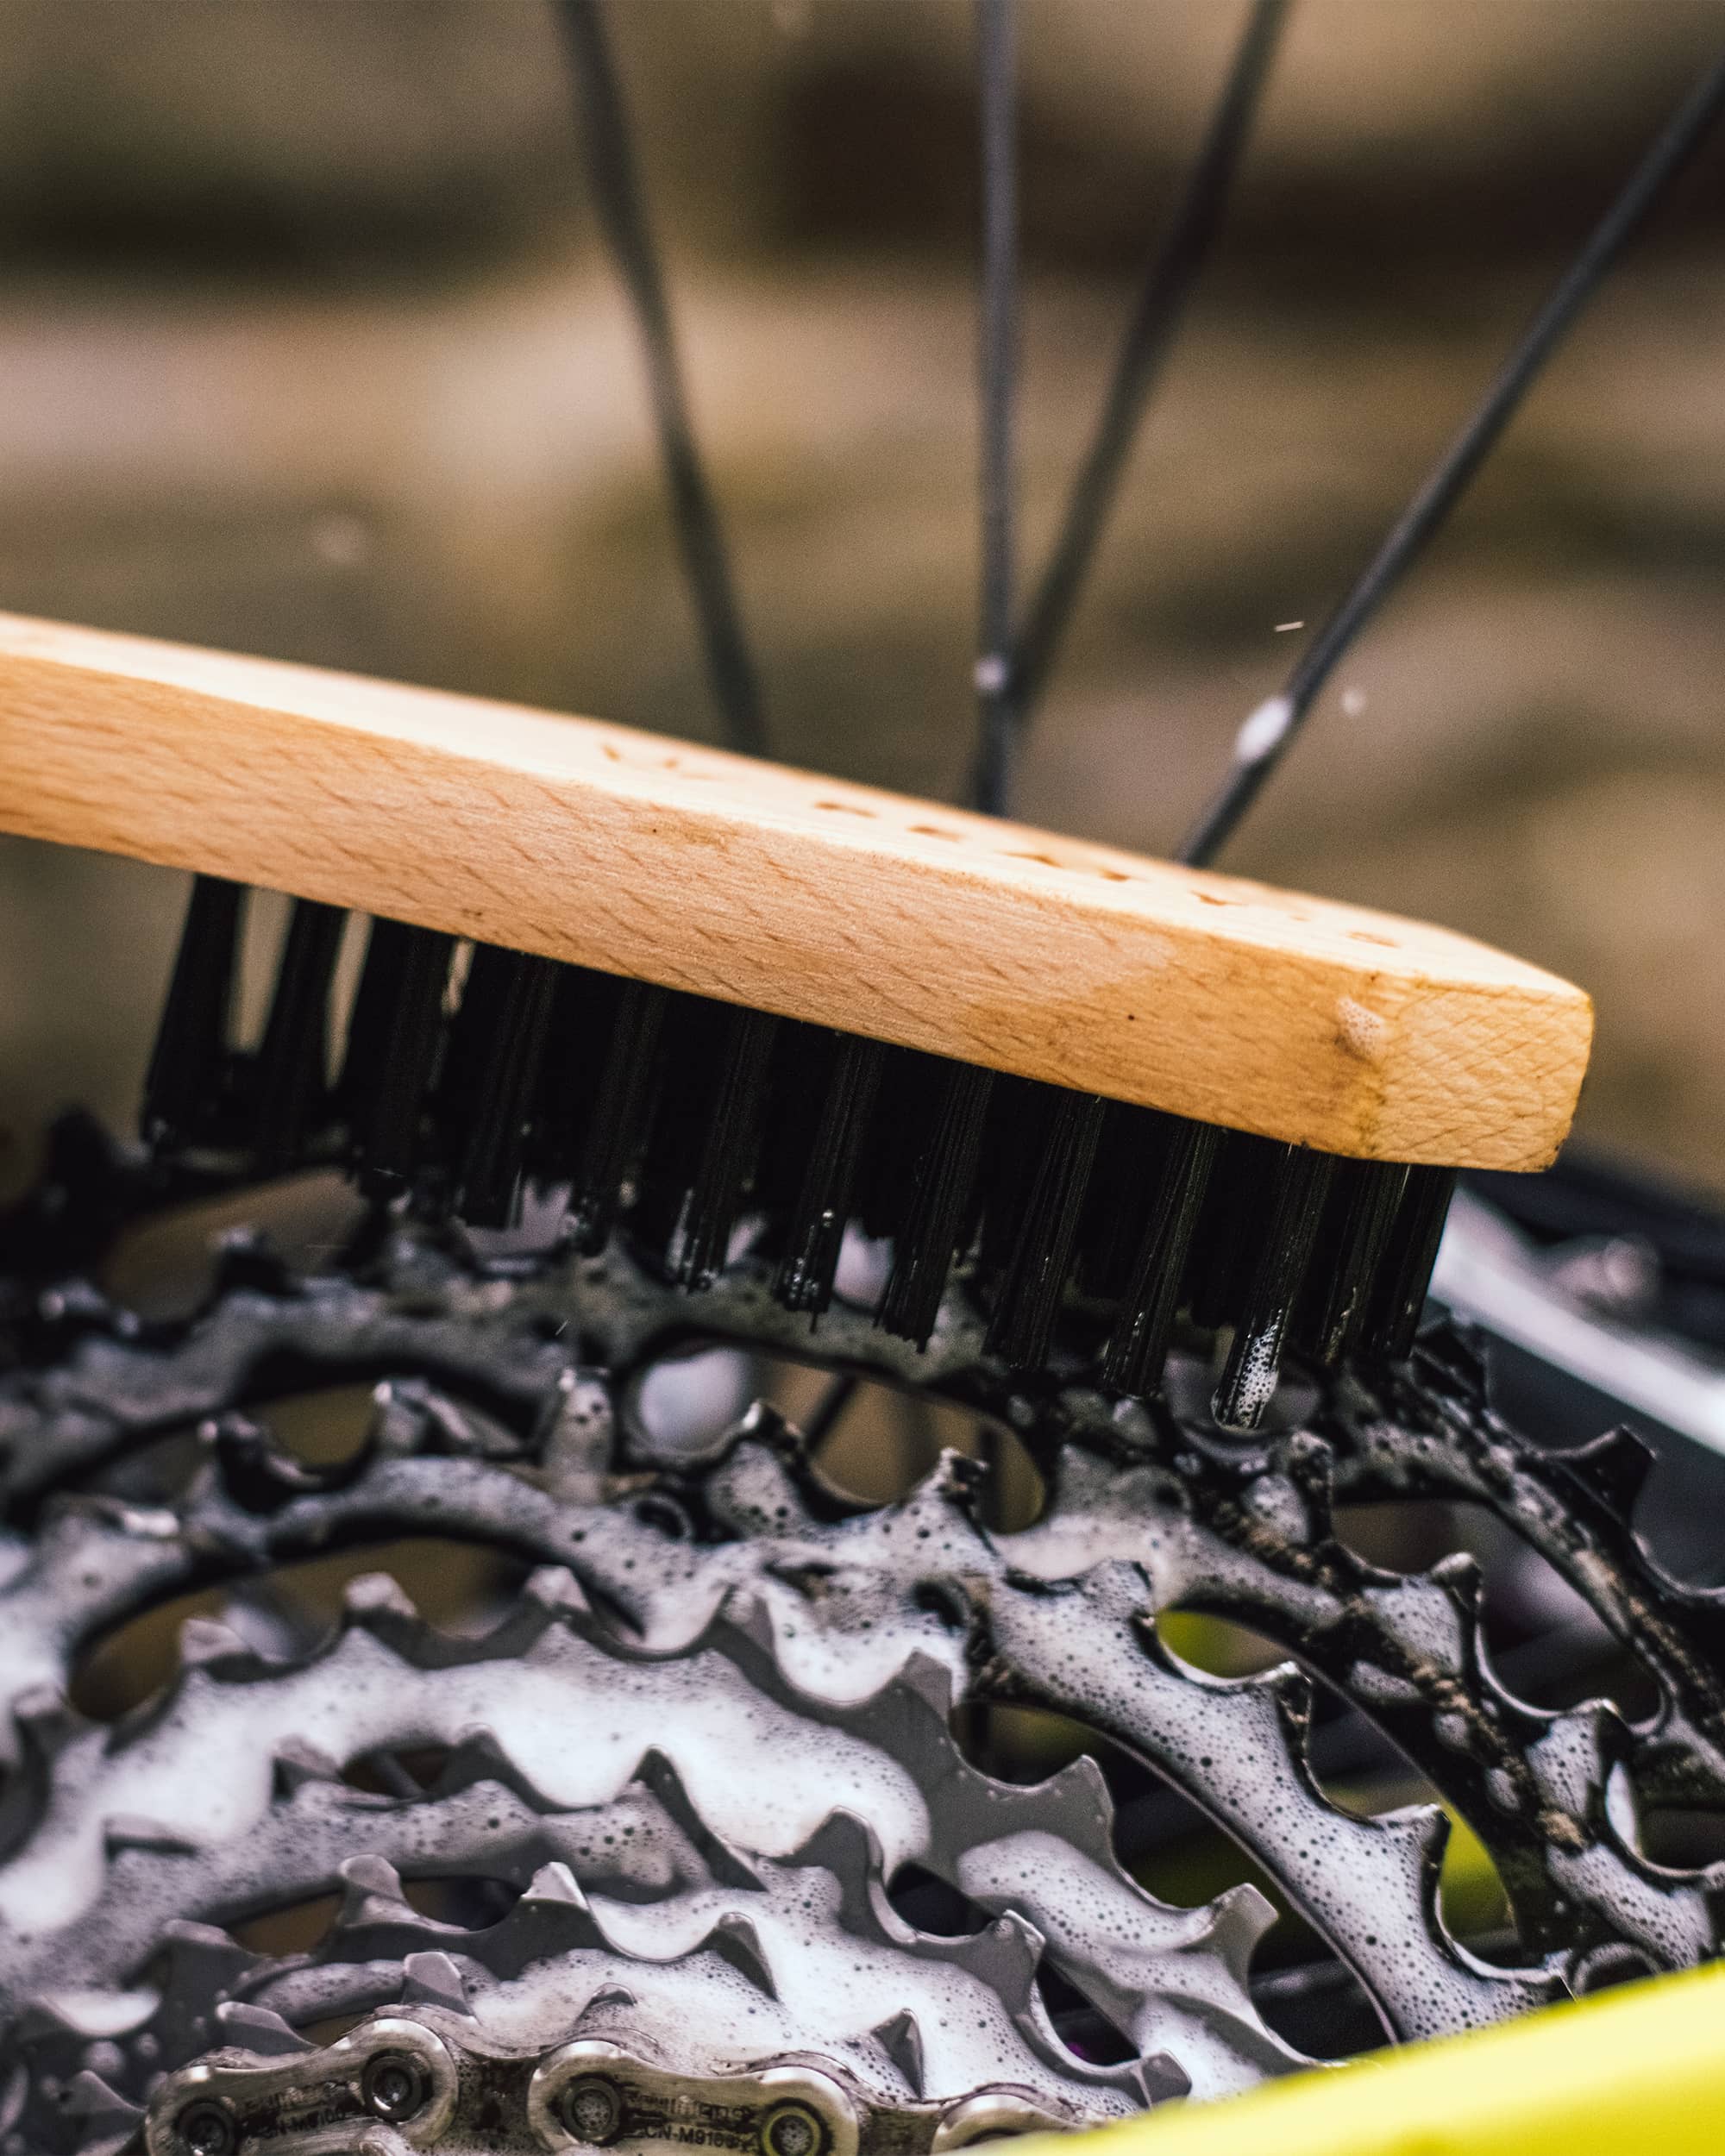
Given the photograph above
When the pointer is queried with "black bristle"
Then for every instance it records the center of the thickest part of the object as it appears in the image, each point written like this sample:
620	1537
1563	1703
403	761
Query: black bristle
622	1112
393	1038
1032	1283
1364	1197
494	1050
939	1204
578	1033
1254	1359
907	1103
1410	1252
1232	1228
1137	1347
679	1116
291	1077
189	1064
732	1139
690	1057
1134	1146
822	1205
1021	1117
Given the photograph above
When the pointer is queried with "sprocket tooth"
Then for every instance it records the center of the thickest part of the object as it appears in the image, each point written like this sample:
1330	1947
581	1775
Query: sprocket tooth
1452	1354
260	2029
201	1958
399	1425
45	1726
432	1979
554	1883
200	1966
46	1723
1614	1467
1238	1918
1005	1956
735	1939
743	1615
375	1603
846	1847
105	2118
657	1773
901	2039
1163	2079
553	1917
1074	1804
298	1763
554	1590
930	1680
123	1830
477	1756
41	2026
205	1643
371	1894
761	1423
258	1473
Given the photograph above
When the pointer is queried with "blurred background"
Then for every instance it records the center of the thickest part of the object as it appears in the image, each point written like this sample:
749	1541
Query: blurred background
310	348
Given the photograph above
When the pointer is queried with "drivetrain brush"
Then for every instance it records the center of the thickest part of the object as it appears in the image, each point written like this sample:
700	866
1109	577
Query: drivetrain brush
711	998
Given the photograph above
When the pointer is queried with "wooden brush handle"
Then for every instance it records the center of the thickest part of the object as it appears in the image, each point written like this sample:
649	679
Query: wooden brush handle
1225	1000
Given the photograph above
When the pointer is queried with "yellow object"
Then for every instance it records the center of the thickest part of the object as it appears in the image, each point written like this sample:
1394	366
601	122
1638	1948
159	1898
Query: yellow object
1638	2069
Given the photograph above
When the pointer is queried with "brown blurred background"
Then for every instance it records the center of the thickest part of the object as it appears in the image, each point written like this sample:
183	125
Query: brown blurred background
309	348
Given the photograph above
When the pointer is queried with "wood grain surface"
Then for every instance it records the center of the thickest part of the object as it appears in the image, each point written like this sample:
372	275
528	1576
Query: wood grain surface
1321	1024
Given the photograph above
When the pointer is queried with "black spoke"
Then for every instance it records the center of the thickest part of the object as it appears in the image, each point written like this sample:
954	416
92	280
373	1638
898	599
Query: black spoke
621	203
1174	270
1266	737
822	1418
998	363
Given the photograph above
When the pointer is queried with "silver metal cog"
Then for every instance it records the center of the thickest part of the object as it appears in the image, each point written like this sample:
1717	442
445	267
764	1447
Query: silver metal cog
684	1771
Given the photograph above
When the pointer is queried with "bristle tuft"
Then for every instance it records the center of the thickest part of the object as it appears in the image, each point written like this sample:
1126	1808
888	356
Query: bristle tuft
621	1112
1137	1347
822	1205
732	1140
393	1040
944	1182
1254	1359
1035	1279
189	1064
291	1072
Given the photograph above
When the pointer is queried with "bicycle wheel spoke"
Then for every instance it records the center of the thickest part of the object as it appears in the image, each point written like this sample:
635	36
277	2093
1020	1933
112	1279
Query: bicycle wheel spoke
998	365
621	203
1267	733
1173	271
